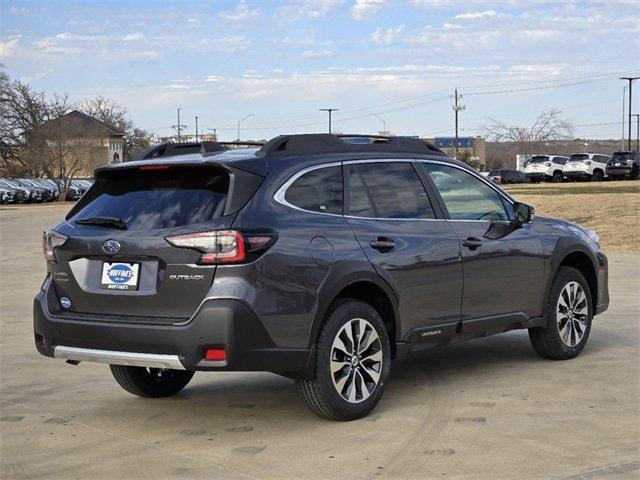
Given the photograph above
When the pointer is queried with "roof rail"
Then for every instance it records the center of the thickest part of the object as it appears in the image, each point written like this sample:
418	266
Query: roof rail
318	143
170	149
241	144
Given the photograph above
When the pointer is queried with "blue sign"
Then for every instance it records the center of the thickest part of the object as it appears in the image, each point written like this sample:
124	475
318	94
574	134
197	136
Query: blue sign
448	142
120	273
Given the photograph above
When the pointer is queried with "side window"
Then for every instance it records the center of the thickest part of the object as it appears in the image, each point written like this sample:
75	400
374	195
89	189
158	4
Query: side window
395	190
359	201
319	191
465	196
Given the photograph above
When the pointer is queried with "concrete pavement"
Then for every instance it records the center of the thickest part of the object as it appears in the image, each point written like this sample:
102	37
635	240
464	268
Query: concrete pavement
487	409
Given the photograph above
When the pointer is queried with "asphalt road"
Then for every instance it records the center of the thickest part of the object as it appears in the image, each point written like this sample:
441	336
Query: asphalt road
487	409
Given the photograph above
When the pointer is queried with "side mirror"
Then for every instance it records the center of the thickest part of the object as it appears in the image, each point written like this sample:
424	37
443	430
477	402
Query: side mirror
523	213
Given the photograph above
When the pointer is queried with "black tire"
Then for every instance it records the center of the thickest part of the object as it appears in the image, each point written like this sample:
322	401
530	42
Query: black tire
598	176
151	382
546	340
557	177
319	393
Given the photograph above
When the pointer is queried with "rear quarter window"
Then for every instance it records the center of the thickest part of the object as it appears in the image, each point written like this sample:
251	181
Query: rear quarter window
319	190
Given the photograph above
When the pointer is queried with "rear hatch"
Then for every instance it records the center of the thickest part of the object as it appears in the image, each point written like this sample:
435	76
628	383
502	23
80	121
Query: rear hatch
538	163
577	162
117	265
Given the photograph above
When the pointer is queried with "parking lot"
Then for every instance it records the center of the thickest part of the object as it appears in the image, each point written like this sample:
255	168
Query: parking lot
487	409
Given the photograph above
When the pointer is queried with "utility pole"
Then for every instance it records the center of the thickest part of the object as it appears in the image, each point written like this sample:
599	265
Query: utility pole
456	108
179	126
630	80
624	94
240	121
330	110
196	129
637	115
384	124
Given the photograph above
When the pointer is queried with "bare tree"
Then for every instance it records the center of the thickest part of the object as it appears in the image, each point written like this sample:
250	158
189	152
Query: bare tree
58	148
548	126
110	112
22	110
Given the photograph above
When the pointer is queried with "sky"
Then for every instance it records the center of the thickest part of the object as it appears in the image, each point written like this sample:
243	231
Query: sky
383	63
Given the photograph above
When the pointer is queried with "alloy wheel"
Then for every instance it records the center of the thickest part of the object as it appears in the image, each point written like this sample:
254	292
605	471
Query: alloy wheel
572	314
356	360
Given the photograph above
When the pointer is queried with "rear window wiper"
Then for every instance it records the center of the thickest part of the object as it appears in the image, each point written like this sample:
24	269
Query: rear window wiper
112	222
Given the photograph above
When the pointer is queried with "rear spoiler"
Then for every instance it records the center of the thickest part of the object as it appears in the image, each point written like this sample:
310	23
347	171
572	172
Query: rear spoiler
203	148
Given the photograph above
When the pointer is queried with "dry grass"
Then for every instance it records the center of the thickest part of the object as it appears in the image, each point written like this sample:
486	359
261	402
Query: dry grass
609	208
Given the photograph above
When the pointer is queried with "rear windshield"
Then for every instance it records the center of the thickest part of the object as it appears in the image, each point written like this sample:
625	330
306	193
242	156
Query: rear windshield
539	159
494	173
578	157
157	199
621	156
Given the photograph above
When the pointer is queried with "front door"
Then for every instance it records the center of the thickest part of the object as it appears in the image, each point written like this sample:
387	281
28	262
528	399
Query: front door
503	277
416	252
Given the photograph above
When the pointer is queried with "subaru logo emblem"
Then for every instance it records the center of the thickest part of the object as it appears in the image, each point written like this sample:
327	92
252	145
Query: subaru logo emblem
65	303
111	246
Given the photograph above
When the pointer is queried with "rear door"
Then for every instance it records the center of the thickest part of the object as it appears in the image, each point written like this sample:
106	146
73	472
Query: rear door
131	270
503	277
398	228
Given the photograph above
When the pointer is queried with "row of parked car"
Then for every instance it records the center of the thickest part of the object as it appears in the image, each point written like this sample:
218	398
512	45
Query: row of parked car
38	190
578	166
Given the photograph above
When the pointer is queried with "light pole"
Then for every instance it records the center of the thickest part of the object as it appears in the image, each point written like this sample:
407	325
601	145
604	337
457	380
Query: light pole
624	91
384	124
330	110
196	129
240	121
630	80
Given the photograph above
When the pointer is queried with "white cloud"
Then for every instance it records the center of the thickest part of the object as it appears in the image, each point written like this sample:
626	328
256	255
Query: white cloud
316	55
241	13
132	37
232	44
299	9
477	15
386	37
366	9
20	10
9	47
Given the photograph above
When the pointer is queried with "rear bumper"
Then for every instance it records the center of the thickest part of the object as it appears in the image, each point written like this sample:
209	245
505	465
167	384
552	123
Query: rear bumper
219	323
537	175
619	171
577	174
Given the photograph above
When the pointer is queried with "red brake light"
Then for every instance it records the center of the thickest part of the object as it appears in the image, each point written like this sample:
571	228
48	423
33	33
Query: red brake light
222	246
215	354
51	240
154	167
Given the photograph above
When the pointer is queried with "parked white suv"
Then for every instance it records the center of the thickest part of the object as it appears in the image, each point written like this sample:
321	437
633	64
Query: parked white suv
546	167
586	166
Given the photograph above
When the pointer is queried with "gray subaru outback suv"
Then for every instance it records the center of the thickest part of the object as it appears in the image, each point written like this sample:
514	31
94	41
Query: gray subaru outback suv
317	257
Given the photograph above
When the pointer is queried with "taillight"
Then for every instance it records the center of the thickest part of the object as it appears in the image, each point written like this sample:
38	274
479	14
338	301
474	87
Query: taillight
223	246
51	240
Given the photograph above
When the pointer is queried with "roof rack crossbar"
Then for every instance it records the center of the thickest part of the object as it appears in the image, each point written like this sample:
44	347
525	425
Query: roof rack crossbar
319	143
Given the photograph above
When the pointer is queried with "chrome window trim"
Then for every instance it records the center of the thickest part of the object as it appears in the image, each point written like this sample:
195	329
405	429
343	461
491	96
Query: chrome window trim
279	196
